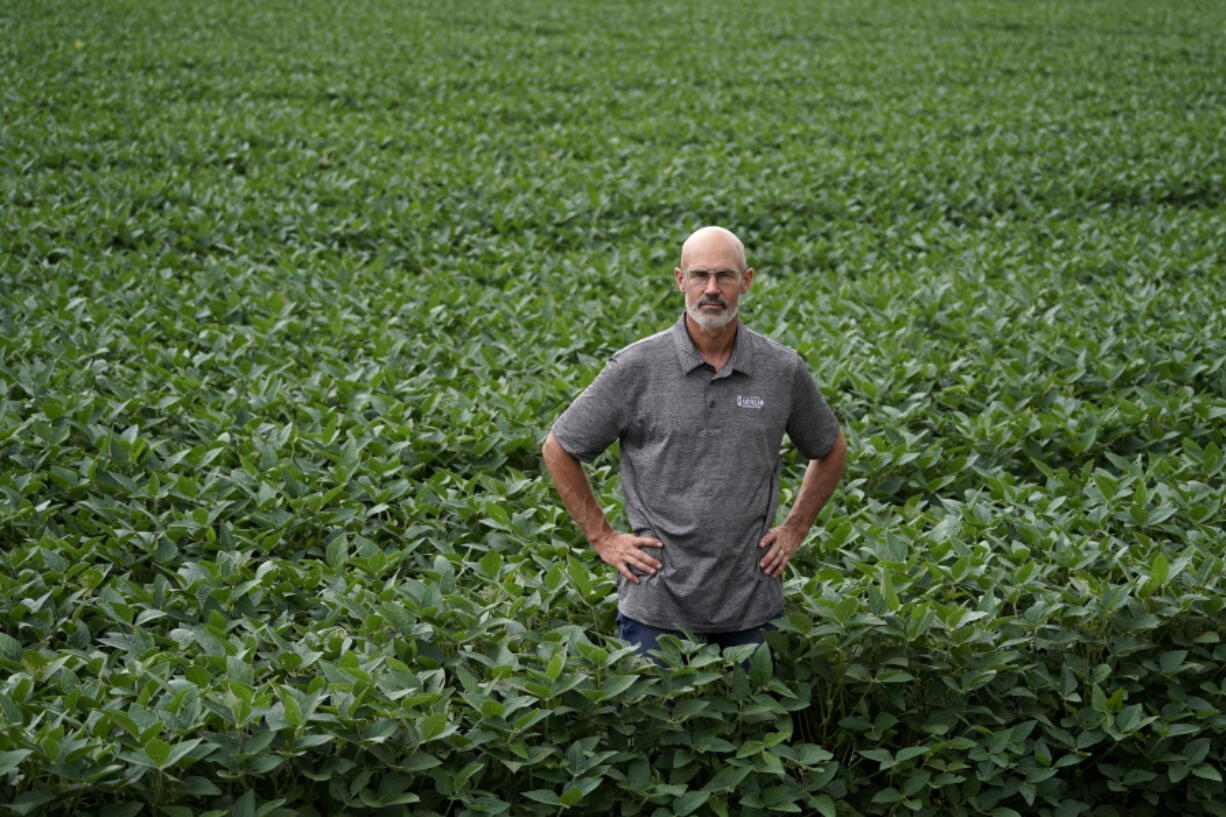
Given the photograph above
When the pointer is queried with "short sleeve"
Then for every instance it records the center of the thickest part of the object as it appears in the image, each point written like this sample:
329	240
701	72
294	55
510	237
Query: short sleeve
812	426
597	417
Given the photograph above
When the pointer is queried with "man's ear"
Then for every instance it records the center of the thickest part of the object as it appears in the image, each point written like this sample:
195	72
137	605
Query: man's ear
679	278
747	276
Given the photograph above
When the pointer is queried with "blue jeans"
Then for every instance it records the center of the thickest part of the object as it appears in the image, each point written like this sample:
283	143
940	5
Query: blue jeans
643	636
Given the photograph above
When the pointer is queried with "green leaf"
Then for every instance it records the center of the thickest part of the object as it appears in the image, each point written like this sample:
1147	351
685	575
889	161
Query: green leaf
1159	569
158	752
338	552
27	801
811	755
1129	718
244	806
420	762
1170	662
882	756
711	743
615	685
9	761
690	802
748	748
895	676
544	796
491	564
557	662
200	787
1208	772
580	576
761	667
10	648
824	805
909	752
685	709
435	726
1196	751
888	593
292	709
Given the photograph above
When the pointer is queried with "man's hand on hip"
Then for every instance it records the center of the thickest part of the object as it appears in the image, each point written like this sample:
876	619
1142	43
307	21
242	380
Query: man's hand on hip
782	542
624	551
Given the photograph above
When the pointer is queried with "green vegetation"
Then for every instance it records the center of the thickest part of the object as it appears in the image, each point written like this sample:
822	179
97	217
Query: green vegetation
292	291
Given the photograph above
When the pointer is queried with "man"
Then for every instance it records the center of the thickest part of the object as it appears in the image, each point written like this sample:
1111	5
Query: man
700	410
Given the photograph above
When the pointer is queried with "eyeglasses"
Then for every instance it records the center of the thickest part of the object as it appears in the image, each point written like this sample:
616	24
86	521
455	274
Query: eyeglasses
723	277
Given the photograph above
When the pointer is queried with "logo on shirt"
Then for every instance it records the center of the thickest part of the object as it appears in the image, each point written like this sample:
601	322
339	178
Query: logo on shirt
749	401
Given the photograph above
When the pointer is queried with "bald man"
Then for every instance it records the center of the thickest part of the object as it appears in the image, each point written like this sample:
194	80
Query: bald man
700	411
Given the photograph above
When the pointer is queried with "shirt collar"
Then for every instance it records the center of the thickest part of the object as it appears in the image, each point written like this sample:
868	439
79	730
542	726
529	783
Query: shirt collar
742	349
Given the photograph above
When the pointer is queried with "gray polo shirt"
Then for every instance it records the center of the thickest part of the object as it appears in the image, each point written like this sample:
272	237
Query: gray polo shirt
700	468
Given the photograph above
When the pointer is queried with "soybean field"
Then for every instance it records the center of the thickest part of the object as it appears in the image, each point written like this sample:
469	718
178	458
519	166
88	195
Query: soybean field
291	292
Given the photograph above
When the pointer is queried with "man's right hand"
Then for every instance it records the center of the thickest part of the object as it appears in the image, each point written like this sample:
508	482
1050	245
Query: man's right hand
621	550
624	551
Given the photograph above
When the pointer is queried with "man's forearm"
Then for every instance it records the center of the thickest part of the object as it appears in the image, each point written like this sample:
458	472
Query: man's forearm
818	484
622	550
575	490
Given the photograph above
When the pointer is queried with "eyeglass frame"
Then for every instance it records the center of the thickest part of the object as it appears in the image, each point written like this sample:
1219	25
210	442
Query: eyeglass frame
723	277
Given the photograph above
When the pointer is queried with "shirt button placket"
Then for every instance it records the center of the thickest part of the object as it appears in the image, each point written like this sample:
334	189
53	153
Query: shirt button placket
709	413
713	386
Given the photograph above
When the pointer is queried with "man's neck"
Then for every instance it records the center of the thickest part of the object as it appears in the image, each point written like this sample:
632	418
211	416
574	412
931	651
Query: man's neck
714	345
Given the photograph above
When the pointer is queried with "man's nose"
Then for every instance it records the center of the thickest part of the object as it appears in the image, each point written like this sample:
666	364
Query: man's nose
712	286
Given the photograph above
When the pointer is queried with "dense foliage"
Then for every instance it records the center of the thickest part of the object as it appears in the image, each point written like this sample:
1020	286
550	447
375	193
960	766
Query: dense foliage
292	291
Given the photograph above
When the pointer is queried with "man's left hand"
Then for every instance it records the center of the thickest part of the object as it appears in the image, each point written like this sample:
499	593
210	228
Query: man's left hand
782	543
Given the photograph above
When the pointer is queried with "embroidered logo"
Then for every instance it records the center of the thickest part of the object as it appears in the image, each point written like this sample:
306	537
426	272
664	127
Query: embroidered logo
749	401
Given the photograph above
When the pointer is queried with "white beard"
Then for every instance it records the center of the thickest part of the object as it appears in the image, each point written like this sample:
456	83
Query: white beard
710	321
